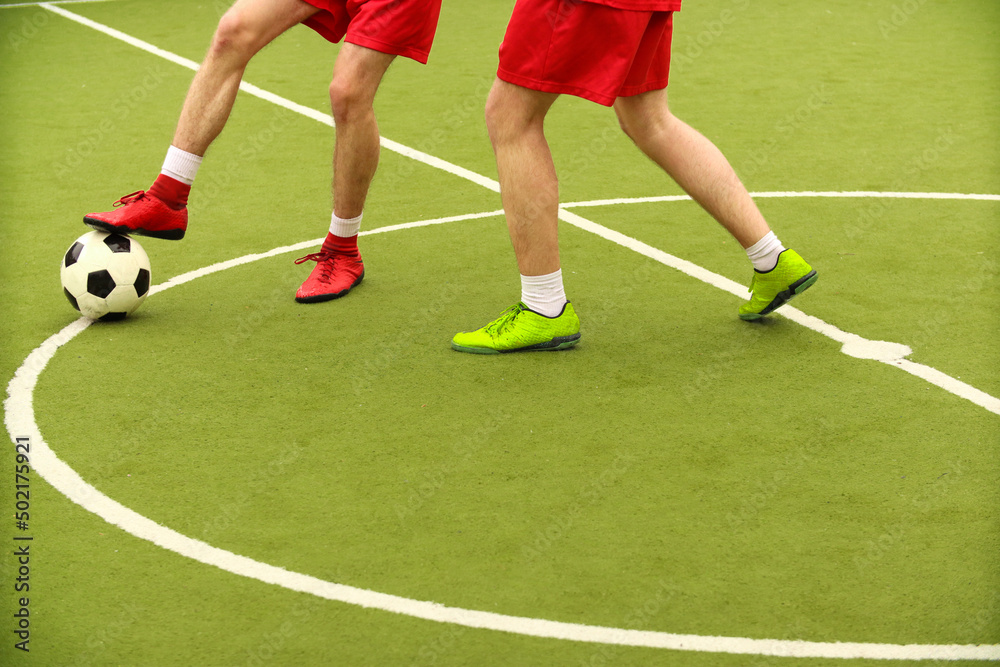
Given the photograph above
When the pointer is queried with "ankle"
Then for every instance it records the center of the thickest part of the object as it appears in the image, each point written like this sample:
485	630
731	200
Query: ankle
764	253
170	191
345	245
545	294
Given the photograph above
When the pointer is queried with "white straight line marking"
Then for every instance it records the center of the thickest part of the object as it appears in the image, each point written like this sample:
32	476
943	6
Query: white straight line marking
53	2
285	103
19	418
852	344
806	193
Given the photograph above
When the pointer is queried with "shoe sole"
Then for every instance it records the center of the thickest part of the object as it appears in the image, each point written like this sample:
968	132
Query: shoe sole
101	226
319	298
557	343
783	297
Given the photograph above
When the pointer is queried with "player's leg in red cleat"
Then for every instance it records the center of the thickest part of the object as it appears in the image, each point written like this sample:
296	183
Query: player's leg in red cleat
356	77
245	29
160	212
338	269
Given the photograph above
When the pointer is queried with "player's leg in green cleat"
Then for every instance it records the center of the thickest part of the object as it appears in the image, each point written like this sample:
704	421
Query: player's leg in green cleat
521	329
771	289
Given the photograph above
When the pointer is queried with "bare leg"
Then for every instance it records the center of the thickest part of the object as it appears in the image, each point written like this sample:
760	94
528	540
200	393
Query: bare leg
693	161
529	187
246	28
356	78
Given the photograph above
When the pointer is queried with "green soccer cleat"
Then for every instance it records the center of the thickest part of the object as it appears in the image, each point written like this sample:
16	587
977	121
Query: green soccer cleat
771	289
521	329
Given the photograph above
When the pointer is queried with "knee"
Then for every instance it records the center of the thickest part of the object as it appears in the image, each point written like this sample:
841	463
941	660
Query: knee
629	120
638	121
507	117
625	123
348	99
493	114
234	35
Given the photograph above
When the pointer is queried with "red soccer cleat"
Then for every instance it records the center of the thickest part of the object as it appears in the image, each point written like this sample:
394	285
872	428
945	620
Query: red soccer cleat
142	214
333	276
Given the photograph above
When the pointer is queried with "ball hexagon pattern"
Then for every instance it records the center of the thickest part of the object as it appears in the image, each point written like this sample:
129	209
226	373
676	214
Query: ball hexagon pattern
105	276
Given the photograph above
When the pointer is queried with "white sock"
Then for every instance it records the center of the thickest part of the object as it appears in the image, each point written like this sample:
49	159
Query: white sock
181	165
764	253
345	227
544	294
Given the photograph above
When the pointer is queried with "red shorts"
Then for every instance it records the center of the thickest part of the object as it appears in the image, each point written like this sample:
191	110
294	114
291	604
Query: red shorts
586	49
398	27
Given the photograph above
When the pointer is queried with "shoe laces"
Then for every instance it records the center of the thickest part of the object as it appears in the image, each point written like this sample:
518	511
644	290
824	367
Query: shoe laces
324	259
327	261
507	317
753	282
320	256
129	198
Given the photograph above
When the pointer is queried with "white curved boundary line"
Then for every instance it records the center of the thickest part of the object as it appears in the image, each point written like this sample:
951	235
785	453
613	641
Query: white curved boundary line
20	422
305	245
889	353
19	419
851	344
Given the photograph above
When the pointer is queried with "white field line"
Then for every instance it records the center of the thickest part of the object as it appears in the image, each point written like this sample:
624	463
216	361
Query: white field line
851	344
305	245
805	193
53	2
20	421
251	89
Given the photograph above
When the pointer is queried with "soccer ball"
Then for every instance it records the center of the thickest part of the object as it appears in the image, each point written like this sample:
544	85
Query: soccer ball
105	276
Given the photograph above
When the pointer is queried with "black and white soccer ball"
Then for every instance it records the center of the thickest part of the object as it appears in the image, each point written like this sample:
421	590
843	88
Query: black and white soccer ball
105	276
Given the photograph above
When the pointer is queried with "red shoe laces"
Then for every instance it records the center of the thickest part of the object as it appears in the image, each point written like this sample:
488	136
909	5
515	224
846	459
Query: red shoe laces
326	259
324	255
129	198
315	257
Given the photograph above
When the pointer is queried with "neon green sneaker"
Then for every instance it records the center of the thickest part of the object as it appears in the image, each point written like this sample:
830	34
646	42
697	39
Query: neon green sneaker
771	289
521	329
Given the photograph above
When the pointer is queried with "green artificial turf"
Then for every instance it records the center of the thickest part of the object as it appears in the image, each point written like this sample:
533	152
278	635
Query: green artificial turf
680	470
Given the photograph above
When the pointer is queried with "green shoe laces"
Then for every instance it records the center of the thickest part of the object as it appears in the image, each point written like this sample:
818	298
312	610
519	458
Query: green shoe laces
507	317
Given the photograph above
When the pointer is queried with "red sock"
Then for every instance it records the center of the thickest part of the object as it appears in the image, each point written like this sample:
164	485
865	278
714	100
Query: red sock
170	191
347	245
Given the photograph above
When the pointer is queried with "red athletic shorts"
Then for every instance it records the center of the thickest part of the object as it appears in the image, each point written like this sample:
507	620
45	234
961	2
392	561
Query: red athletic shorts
399	27
586	49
